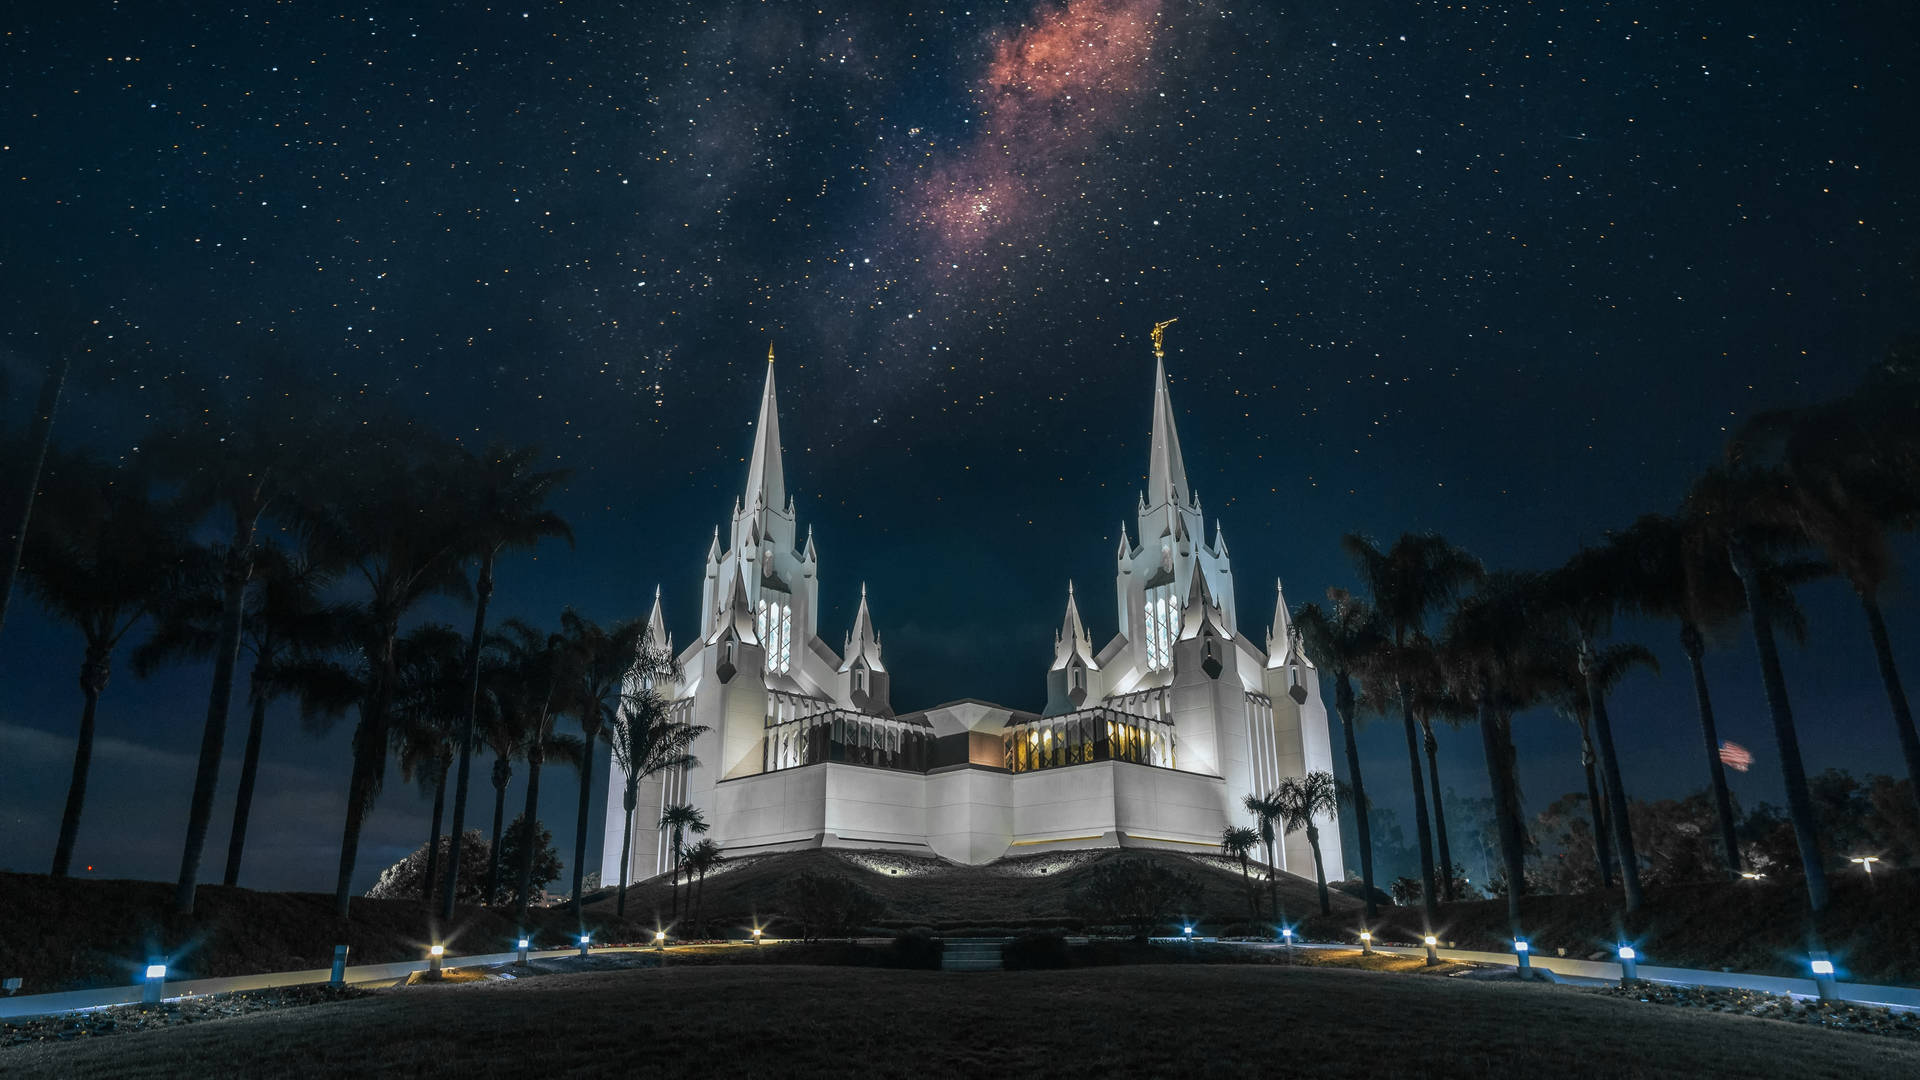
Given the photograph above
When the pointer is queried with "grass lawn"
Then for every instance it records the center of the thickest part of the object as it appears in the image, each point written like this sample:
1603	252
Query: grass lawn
834	1022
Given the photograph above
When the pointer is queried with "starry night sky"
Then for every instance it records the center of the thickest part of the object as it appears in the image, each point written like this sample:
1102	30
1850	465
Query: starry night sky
1510	272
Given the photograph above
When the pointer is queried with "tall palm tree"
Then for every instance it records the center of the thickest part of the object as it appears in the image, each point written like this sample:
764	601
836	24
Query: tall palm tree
537	664
1495	639
1585	592
232	464
286	622
386	512
1266	809
646	743
1303	801
102	555
1341	638
507	509
426	704
598	662
1740	502
700	859
1433	699
509	717
1237	842
680	820
1408	582
32	451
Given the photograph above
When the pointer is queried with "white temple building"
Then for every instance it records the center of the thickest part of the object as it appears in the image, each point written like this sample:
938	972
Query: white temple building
1150	741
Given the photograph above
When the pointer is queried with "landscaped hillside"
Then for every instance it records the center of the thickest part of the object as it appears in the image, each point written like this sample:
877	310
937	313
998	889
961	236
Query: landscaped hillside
1029	890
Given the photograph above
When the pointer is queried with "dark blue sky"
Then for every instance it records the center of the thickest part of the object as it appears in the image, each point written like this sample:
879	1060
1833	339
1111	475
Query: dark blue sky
1510	273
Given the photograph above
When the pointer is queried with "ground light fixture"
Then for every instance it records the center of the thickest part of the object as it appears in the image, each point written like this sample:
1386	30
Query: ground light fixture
1433	954
756	935
1823	974
584	938
1629	963
659	941
1751	875
338	977
1523	953
434	956
1188	930
155	980
1866	862
1366	943
523	950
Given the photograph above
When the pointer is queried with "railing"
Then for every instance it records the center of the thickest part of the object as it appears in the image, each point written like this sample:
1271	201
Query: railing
847	736
1087	736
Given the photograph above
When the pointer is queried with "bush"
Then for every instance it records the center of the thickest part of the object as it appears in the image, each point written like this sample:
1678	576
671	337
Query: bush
1036	952
1140	894
827	905
403	880
916	948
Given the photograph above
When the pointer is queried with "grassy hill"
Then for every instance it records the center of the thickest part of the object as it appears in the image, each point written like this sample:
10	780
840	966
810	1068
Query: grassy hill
1023	891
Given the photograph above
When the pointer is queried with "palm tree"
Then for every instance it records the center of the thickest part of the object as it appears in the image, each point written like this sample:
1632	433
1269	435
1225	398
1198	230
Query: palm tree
507	499
1426	677
1408	582
1342	638
387	512
1237	841
1741	504
538	677
34	453
1585	592
597	665
505	733
102	555
679	820
1303	800
286	622
426	702
1493	637
1266	809
647	742
701	858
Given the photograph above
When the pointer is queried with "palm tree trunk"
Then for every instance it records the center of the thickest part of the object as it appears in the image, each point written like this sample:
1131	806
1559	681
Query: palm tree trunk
483	592
502	774
1497	744
93	679
1319	870
1695	648
631	796
233	615
1432	746
1897	697
369	762
1343	705
532	814
37	439
674	911
1597	813
1799	803
1253	895
700	899
1616	794
1273	880
580	828
249	772
433	839
1430	897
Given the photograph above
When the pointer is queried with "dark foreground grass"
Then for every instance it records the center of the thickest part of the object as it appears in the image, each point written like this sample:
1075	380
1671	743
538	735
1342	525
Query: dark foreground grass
838	1022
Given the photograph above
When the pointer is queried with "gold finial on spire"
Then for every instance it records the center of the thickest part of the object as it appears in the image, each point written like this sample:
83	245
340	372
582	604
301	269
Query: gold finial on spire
1159	334
769	352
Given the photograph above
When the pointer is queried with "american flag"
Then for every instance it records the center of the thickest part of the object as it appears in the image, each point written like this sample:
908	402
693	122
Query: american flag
1736	757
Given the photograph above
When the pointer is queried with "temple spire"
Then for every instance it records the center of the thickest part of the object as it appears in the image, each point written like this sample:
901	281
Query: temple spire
1280	631
1166	469
766	478
1073	640
657	625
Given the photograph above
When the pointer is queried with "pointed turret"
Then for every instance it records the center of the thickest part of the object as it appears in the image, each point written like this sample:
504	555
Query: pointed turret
1280	644
863	643
735	612
766	478
1166	469
657	635
1219	538
1073	640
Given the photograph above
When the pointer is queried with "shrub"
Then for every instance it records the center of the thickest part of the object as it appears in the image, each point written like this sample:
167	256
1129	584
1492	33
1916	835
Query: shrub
1140	894
916	948
403	879
827	905
1035	952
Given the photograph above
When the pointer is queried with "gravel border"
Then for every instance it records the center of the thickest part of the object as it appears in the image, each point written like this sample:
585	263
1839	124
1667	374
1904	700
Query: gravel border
1839	1015
120	1019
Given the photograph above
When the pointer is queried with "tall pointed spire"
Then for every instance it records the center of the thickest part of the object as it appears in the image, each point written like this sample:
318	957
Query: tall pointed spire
1166	470
863	641
657	625
1280	631
1073	639
766	478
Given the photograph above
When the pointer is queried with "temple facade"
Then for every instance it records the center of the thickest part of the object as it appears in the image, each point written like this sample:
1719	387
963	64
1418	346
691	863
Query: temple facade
1151	740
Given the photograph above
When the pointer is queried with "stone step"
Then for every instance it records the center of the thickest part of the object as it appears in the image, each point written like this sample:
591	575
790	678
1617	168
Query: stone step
972	954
